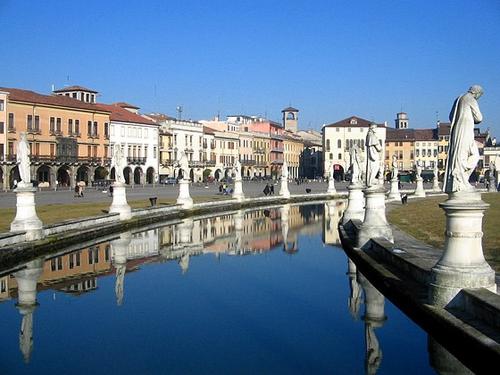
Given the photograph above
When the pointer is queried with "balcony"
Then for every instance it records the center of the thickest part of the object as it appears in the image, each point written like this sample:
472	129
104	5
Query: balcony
34	131
276	136
277	149
167	163
248	162
259	150
89	159
209	163
136	160
11	129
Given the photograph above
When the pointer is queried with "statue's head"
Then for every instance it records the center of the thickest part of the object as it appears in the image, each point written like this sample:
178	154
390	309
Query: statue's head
476	91
22	136
373	126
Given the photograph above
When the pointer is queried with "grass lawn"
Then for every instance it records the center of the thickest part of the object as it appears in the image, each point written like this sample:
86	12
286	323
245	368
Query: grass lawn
424	220
54	213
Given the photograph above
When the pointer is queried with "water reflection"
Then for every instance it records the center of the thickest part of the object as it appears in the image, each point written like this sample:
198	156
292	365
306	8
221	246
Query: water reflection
241	233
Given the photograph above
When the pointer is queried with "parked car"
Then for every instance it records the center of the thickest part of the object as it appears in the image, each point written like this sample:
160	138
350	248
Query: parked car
170	181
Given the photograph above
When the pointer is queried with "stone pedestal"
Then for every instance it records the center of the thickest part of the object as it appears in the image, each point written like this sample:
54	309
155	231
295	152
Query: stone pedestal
238	190
26	218
284	192
394	194
419	191
331	186
462	264
119	204
374	223
355	204
184	198
493	185
435	185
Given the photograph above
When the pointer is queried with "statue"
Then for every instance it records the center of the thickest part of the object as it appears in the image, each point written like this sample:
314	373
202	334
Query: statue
184	165
284	170
23	160
394	173
373	149
330	171
435	170
237	169
418	168
118	163
463	154
356	160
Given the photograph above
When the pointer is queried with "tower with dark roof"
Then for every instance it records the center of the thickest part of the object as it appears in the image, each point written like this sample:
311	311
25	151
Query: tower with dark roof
291	119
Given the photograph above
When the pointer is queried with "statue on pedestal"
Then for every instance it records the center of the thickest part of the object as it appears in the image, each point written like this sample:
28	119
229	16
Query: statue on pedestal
373	149
284	170
418	169
118	162
394	173
463	154
184	165
237	169
356	161
23	160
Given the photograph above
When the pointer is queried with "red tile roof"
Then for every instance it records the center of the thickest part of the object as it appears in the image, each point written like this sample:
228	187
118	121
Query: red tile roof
208	130
75	88
121	114
393	135
126	105
27	96
159	117
426	135
444	128
360	122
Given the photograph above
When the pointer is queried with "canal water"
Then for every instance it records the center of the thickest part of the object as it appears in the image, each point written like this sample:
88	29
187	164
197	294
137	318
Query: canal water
267	291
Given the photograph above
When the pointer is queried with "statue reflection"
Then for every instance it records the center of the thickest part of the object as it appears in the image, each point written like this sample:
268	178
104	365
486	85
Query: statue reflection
289	247
333	211
374	318
185	238
119	251
354	300
27	280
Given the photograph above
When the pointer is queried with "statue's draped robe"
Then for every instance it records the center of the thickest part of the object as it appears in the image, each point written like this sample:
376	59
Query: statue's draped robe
463	154
373	162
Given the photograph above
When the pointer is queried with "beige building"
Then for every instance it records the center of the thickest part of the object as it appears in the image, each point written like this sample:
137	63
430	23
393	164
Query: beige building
68	138
341	136
293	146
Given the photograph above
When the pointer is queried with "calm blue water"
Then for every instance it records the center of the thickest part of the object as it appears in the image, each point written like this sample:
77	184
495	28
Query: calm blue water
209	296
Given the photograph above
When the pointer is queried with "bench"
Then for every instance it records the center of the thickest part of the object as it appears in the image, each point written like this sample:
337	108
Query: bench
152	200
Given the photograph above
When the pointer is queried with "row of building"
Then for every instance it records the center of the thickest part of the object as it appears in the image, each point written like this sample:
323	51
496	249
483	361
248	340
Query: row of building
72	138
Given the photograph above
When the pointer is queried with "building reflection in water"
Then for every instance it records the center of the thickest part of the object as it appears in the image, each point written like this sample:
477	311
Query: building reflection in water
76	273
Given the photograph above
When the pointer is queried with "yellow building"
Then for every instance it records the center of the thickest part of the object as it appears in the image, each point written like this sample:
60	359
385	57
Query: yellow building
400	142
68	138
293	149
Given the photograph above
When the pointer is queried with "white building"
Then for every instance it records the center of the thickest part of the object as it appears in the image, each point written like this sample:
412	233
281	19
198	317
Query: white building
341	136
138	137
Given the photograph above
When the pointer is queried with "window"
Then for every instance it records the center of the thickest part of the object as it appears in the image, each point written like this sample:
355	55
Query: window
29	122
331	156
77	127
340	156
89	128
418	153
58	125
339	144
154	152
11	122
52	125
95	151
94	132
52	149
37	123
2	105
70	126
2	130
327	145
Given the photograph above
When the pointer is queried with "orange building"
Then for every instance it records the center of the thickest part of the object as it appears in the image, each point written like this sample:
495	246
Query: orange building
68	135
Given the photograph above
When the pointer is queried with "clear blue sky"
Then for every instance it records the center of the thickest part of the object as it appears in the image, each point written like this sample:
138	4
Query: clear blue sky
330	59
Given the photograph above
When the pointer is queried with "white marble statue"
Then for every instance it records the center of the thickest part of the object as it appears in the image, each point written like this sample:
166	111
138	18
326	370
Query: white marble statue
23	160
284	170
118	162
373	149
356	161
435	170
418	169
394	173
463	154
184	165
330	171
237	169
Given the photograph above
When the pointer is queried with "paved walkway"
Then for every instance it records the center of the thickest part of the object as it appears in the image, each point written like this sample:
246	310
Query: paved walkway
250	188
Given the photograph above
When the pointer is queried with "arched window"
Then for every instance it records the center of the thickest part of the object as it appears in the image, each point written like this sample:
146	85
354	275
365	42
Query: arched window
290	116
339	144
